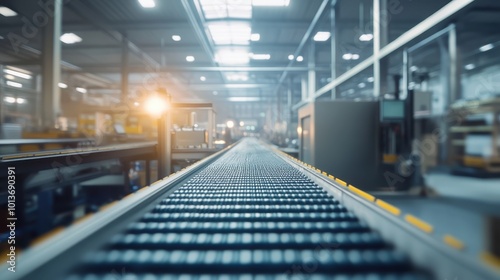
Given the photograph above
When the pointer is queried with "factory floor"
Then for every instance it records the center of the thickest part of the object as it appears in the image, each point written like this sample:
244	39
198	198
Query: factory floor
459	206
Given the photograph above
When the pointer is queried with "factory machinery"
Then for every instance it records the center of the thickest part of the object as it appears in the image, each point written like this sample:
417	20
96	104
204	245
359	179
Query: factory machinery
247	212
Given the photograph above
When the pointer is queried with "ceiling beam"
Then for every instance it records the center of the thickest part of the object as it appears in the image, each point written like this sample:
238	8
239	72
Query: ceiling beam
141	69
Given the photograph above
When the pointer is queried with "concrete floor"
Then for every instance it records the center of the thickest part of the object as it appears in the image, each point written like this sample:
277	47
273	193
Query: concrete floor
460	207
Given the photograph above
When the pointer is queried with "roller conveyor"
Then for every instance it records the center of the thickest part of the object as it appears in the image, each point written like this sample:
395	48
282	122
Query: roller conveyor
248	214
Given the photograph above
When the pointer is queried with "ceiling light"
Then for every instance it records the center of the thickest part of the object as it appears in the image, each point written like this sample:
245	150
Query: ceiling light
9	77
14	84
232	57
20	100
230	124
9	99
63	85
243	99
321	36
486	47
176	38
230	33
413	68
290	57
136	104
361	85
17	74
6	12
80	89
355	56
147	3
300	58
470	66
370	79
242	123
255	37
70	38
203	78
271	3
347	56
260	56
189	58
366	37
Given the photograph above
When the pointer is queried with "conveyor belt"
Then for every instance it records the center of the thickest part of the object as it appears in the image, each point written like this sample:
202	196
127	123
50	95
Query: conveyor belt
248	213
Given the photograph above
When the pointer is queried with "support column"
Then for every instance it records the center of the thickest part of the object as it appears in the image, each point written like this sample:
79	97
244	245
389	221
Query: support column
333	43
124	70
454	65
164	146
380	40
51	66
289	107
303	88
311	73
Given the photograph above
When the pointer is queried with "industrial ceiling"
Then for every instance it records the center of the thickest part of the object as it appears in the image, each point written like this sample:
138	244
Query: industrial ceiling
176	44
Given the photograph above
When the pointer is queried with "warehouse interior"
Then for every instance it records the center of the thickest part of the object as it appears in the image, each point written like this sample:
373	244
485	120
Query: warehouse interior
250	139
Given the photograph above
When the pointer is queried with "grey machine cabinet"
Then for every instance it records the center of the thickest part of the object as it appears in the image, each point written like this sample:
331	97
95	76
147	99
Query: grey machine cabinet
342	138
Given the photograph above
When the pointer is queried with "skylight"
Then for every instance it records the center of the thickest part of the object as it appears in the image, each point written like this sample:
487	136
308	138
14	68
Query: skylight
230	33
217	9
271	3
232	57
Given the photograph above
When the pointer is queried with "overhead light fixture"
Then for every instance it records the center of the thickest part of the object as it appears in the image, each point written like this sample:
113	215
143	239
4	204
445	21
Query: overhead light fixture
203	78
14	84
17	74
70	38
9	99
232	57
255	37
20	100
260	56
243	99
6	12
242	123
136	104
81	90
271	3
176	38
370	79
350	56
300	58
230	33
321	36
470	66
291	57
486	47
413	68
63	85
9	77
230	124
361	85
366	37
189	58
147	3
